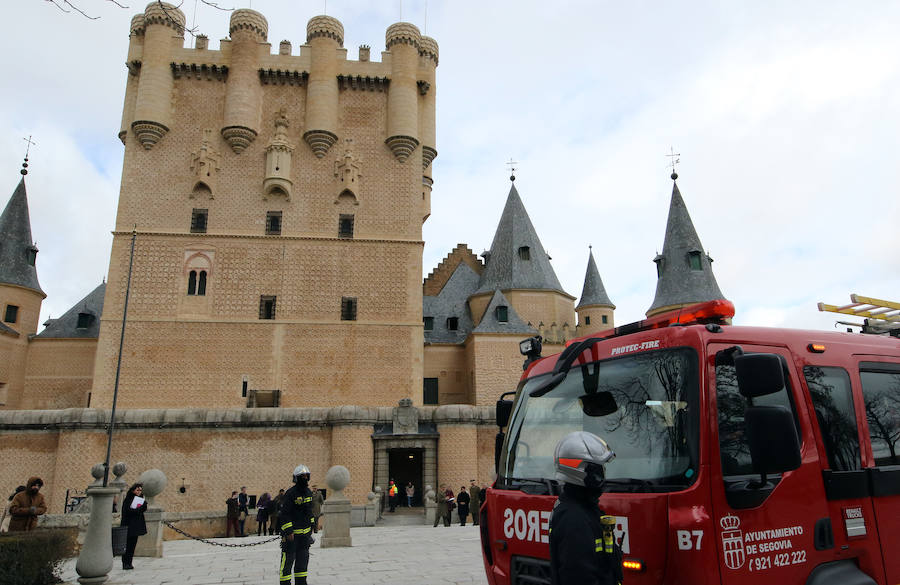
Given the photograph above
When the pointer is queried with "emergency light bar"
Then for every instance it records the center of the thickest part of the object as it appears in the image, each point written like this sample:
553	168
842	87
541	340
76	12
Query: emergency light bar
718	311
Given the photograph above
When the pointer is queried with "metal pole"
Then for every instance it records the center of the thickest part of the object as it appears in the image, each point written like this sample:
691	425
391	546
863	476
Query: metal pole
112	416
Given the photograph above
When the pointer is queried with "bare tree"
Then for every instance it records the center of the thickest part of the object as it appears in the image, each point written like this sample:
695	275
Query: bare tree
68	6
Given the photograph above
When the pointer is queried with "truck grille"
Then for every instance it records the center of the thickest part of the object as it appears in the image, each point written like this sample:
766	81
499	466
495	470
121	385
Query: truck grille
529	571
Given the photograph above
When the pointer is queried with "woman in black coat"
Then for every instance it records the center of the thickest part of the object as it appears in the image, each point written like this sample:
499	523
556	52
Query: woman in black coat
133	518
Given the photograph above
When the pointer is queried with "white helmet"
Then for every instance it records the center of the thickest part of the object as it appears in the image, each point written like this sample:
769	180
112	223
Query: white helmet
299	471
580	457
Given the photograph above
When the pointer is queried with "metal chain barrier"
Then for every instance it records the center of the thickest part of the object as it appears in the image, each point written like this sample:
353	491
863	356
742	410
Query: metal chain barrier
214	543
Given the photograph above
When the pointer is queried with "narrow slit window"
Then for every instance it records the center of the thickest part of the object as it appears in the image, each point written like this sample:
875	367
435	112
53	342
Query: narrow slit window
348	308
502	313
524	253
604	319
273	223
587	320
192	283
266	307
201	284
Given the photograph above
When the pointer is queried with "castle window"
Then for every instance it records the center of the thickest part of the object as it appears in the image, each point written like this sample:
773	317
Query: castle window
273	223
198	221
587	320
604	319
452	323
266	307
12	313
31	255
430	391
429	323
524	253
85	320
192	282
348	308
345	226
502	313
694	260
201	284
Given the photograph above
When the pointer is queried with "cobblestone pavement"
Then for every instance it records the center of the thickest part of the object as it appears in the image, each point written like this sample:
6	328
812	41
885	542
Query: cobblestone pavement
399	555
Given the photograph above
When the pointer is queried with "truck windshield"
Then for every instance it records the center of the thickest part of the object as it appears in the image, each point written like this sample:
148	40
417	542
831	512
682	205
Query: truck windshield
653	430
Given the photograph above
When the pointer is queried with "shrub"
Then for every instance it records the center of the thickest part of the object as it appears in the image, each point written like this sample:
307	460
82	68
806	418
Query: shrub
32	558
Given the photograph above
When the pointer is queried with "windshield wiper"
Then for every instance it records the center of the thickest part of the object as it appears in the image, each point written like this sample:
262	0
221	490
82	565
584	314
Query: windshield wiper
633	484
528	485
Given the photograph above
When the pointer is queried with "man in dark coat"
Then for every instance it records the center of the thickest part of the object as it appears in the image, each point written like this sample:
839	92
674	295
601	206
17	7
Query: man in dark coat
475	495
26	506
231	516
443	506
462	500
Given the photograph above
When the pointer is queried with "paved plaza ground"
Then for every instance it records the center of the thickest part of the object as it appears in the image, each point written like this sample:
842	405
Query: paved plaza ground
392	553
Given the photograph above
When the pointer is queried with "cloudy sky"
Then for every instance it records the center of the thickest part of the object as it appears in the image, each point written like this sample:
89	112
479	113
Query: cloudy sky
786	116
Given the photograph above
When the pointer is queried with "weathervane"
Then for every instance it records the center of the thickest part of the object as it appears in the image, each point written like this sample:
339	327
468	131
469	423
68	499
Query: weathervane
512	169
673	160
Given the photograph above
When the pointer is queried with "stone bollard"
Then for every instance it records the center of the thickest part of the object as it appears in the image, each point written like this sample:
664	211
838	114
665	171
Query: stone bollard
96	558
337	509
150	545
371	515
430	505
378	503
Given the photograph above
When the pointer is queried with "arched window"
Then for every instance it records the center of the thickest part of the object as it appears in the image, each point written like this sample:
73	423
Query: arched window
192	282
201	284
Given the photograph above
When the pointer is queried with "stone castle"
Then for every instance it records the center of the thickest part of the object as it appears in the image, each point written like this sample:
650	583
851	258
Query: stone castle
271	211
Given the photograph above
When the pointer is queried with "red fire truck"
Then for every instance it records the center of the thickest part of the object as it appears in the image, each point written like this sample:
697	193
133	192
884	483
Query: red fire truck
744	455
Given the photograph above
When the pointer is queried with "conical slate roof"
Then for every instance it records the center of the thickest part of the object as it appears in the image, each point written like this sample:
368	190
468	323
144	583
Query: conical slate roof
67	326
451	302
16	244
678	282
511	267
593	292
491	324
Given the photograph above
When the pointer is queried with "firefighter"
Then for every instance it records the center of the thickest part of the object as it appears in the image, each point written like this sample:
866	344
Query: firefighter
583	550
296	517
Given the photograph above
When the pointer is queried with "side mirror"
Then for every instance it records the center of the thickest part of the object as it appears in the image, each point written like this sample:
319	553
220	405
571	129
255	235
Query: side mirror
758	374
772	438
504	410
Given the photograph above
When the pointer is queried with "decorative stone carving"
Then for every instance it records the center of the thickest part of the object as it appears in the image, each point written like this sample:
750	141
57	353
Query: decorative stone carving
238	137
406	418
320	141
347	170
278	160
402	146
205	163
428	155
148	133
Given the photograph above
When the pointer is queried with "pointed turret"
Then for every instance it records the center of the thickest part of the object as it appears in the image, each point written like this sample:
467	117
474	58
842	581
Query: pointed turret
17	250
517	259
684	270
595	310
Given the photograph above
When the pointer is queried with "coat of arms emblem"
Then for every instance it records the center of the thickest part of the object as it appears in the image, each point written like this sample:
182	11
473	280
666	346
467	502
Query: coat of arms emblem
732	541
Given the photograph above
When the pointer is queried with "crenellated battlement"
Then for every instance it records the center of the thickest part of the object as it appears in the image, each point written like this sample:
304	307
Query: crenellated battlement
428	48
164	14
138	26
325	26
250	20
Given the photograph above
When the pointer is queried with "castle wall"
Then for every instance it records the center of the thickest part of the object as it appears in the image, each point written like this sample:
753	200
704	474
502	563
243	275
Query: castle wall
13	352
448	364
59	373
457	455
497	364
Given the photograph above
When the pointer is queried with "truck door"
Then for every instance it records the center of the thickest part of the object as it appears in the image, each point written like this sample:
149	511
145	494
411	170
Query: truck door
764	531
881	397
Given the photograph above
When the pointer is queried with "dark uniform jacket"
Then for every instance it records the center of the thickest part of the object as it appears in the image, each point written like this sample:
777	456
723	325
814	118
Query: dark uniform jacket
296	514
577	556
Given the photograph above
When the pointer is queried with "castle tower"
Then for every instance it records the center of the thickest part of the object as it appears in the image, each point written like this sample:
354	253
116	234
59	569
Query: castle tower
162	32
403	41
428	61
683	270
518	266
276	270
595	310
20	294
325	36
243	94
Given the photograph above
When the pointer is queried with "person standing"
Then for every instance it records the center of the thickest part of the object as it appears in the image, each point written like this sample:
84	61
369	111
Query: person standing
273	513
583	550
392	495
317	501
410	492
443	509
231	516
296	528
475	495
243	510
462	500
27	505
133	509
262	513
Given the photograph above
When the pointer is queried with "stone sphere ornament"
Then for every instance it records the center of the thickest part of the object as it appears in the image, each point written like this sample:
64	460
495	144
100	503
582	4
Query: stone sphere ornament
97	471
337	478
119	469
154	482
